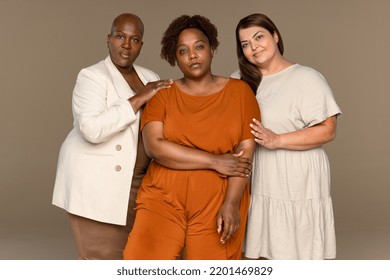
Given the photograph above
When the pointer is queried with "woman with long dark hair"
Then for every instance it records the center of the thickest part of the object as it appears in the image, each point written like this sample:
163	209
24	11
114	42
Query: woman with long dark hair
291	213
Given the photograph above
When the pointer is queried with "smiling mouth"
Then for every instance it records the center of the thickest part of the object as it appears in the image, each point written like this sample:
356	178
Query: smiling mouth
125	55
257	54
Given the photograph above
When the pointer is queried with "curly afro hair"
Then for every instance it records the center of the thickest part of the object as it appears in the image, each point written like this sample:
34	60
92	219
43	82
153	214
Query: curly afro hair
171	35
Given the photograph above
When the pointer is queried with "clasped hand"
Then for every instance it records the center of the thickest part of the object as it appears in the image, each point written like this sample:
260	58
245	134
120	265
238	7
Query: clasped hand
234	165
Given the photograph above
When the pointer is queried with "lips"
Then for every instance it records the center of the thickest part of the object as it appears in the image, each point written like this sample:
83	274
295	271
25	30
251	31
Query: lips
257	53
125	55
195	65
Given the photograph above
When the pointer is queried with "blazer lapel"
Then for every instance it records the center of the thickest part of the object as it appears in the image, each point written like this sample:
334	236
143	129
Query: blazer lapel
122	87
141	74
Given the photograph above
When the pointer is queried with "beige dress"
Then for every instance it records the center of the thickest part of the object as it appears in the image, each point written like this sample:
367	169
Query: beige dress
291	213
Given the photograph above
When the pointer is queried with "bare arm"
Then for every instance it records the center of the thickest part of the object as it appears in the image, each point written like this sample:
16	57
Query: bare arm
180	157
229	219
299	140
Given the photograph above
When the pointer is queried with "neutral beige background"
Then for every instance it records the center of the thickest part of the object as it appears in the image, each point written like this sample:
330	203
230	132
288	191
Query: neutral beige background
45	43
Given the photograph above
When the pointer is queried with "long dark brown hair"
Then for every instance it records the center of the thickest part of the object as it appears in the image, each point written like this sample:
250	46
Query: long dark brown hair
249	72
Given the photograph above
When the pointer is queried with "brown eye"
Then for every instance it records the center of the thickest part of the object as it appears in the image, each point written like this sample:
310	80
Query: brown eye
182	51
259	37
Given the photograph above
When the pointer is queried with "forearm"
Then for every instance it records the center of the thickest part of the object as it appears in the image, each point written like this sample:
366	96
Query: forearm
101	127
236	185
180	157
175	156
98	121
139	100
309	138
228	218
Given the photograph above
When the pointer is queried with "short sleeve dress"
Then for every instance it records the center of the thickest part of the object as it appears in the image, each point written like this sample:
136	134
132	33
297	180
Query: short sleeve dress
189	200
291	213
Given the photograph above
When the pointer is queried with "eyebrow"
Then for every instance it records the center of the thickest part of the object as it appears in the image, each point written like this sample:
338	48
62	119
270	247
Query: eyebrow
124	33
254	35
203	41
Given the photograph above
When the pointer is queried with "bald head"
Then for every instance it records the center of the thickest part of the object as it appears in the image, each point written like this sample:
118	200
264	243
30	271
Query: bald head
127	17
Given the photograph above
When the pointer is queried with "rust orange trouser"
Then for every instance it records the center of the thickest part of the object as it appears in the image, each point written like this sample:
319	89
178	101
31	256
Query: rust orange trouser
180	213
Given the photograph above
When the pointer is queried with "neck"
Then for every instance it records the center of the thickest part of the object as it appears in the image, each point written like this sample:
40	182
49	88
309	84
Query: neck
126	71
198	82
202	86
274	66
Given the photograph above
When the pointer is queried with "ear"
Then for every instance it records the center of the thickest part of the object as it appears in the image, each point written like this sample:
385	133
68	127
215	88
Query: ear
108	39
276	38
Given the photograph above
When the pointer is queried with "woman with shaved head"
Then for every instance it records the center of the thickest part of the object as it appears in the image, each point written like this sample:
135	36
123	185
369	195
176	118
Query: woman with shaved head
102	161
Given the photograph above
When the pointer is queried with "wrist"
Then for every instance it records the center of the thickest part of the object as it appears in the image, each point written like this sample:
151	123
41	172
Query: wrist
213	162
279	141
233	202
132	105
136	101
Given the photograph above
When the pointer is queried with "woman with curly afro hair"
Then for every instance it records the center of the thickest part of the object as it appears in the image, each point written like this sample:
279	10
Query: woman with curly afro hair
195	194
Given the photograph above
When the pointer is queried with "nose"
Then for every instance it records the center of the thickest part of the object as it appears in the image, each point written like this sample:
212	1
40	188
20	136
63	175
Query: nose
192	55
126	44
253	46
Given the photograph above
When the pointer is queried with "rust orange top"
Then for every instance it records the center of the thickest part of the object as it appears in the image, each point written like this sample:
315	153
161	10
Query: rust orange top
216	123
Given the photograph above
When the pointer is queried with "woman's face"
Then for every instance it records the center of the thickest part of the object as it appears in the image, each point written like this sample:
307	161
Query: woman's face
125	43
193	53
258	45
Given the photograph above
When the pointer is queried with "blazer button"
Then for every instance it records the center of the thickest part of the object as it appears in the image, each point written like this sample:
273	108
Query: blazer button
118	168
118	147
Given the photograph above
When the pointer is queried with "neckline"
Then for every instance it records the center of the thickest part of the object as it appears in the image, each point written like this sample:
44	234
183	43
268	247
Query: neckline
281	71
202	96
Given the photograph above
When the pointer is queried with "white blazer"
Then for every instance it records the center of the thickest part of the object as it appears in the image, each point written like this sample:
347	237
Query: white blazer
96	160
